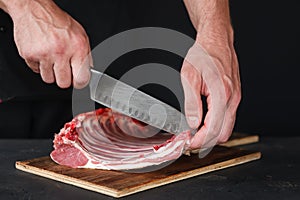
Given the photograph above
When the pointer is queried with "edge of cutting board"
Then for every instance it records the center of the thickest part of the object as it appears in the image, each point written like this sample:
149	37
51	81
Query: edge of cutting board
177	176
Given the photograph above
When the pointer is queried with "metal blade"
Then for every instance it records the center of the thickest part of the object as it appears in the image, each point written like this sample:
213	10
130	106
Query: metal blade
132	102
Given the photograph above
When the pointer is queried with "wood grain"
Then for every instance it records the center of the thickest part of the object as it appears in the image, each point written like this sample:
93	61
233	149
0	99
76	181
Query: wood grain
119	184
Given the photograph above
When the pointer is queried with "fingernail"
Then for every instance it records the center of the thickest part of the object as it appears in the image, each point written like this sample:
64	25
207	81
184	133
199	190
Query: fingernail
193	121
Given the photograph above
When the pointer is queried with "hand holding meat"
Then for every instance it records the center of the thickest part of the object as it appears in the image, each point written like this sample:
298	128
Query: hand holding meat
51	42
211	69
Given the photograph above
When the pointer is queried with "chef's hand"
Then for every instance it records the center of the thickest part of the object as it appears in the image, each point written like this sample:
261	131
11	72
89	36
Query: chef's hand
51	42
211	69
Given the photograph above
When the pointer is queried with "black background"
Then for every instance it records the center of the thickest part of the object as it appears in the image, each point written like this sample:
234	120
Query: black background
267	43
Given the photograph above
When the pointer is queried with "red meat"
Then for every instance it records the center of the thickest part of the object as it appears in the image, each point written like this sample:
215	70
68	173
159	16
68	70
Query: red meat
103	139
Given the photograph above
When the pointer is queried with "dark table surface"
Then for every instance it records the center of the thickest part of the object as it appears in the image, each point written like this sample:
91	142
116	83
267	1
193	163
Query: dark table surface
275	176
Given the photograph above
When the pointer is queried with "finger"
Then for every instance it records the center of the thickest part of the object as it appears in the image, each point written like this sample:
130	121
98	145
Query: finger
212	87
81	70
228	125
234	98
230	117
208	134
33	65
62	71
46	70
191	83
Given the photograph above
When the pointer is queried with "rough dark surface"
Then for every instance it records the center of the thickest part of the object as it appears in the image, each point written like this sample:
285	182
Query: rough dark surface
275	176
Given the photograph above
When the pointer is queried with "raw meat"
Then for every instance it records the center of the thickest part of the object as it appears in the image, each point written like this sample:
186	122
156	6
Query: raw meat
103	139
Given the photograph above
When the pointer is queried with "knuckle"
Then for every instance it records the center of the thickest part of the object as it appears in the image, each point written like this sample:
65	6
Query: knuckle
34	54
62	71
238	97
63	75
59	48
27	55
81	42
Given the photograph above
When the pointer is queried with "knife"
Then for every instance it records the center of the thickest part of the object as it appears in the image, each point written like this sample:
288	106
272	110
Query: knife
132	102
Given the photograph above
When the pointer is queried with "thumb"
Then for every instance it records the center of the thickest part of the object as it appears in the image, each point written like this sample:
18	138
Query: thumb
191	82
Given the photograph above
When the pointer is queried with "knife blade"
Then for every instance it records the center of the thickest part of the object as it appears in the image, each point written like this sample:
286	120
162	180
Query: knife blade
132	102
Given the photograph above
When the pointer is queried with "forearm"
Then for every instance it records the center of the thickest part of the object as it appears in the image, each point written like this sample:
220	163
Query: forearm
12	6
210	17
45	11
3	4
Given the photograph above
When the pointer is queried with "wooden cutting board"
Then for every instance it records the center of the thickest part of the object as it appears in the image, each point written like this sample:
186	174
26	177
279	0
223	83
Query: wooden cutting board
119	184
